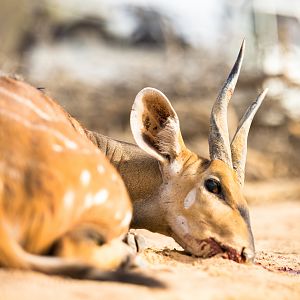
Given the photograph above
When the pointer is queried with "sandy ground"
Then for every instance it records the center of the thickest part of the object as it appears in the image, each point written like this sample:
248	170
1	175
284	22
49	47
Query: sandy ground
275	274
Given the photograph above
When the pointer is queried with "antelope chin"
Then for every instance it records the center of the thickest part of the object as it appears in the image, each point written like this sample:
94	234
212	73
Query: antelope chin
209	247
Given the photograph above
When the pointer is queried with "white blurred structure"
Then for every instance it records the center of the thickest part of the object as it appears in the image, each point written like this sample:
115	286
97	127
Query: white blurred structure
217	27
278	34
196	21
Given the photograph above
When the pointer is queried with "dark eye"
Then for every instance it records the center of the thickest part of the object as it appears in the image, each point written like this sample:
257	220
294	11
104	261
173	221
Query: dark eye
213	186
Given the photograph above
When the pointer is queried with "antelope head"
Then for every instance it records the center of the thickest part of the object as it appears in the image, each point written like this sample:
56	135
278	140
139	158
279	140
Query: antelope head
201	200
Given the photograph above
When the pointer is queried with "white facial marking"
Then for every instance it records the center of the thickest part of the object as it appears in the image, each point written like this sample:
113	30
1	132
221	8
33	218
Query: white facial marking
182	223
85	177
190	199
100	169
69	199
126	219
175	166
101	197
57	148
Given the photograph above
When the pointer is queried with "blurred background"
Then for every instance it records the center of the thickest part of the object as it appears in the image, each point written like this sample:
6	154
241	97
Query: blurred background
94	56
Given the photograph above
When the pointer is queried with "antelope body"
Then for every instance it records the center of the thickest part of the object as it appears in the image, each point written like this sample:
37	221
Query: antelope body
199	202
58	192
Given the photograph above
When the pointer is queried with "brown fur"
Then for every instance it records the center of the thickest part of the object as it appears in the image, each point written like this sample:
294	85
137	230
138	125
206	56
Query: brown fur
56	188
160	180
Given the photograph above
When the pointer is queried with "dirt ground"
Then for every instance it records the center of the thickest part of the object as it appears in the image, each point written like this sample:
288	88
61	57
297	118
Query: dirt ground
275	274
101	100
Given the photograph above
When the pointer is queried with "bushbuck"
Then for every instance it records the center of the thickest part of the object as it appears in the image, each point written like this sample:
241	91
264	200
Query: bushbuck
59	195
197	201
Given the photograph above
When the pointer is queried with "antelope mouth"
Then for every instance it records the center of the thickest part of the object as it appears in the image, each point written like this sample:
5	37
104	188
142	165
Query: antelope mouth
215	247
209	247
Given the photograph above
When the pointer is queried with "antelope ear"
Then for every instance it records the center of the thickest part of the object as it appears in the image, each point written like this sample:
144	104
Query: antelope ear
155	125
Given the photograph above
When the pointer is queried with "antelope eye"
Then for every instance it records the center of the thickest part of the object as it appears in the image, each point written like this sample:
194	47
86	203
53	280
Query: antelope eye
213	186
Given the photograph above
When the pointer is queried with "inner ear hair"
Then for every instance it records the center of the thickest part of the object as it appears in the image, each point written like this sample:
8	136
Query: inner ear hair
155	125
161	137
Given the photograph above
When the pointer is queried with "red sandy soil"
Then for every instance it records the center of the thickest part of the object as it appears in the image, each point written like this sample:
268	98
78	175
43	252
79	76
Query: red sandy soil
275	274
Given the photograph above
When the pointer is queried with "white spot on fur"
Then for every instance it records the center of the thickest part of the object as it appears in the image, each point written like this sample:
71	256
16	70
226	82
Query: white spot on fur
101	197
57	148
88	201
190	198
118	215
100	169
126	219
114	177
182	223
69	199
70	144
97	199
85	177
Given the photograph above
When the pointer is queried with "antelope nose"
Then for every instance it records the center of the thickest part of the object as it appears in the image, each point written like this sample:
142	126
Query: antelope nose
248	255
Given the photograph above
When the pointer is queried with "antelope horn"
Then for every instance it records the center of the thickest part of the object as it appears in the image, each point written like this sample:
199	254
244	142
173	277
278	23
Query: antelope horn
239	141
219	145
